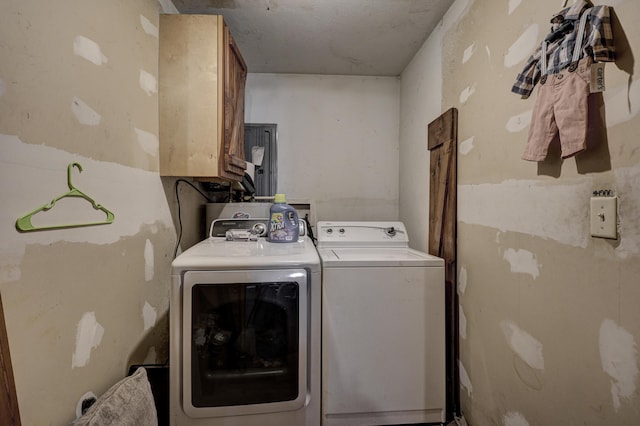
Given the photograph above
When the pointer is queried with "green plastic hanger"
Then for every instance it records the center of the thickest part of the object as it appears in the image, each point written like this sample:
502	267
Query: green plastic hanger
24	224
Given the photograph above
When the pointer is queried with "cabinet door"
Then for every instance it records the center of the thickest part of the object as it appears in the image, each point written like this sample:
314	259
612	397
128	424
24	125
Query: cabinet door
235	76
190	95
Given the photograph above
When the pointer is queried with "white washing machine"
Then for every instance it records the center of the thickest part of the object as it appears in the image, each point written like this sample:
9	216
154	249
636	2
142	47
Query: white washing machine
245	330
383	327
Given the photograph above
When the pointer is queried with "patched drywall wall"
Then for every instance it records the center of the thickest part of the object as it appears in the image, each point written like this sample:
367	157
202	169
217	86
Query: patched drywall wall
78	85
421	103
549	324
337	140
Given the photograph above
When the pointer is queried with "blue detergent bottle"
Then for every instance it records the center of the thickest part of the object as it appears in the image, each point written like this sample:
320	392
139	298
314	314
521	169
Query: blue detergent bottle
283	222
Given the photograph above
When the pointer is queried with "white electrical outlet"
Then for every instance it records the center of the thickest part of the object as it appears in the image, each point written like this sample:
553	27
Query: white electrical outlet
604	217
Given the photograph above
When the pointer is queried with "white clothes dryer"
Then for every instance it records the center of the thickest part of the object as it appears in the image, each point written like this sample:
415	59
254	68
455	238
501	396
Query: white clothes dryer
245	330
383	327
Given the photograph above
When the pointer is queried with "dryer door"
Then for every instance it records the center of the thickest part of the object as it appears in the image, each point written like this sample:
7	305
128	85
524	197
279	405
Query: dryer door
245	342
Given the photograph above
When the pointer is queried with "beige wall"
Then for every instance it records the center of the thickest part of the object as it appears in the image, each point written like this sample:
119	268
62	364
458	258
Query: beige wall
337	140
549	322
78	84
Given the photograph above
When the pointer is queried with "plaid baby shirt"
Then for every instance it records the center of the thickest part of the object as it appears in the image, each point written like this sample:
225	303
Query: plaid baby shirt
598	44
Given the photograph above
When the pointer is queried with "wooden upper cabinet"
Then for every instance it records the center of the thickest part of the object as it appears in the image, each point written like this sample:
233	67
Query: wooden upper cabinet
202	78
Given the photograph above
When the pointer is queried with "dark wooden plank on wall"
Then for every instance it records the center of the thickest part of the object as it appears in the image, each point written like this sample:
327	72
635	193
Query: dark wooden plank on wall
443	144
9	413
443	129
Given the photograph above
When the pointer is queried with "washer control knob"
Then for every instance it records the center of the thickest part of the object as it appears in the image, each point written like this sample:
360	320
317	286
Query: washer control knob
260	229
341	230
330	231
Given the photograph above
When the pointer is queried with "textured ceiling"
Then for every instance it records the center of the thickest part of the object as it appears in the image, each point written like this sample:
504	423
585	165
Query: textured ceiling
350	37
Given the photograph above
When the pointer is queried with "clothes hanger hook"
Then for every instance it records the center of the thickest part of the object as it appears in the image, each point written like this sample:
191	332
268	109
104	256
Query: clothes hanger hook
71	166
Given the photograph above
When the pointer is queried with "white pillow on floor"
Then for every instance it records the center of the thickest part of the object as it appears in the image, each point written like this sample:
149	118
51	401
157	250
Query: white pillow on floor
127	403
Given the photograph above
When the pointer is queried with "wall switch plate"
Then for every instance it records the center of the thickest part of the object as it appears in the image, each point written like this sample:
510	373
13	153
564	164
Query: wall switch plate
604	217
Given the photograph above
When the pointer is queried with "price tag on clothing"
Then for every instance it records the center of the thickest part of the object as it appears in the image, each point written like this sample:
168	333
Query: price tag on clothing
597	77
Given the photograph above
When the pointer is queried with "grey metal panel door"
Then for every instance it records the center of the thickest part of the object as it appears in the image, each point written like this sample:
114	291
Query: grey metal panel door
263	135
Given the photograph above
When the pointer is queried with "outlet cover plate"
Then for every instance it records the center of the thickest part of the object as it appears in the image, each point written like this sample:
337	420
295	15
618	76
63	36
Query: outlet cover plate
604	217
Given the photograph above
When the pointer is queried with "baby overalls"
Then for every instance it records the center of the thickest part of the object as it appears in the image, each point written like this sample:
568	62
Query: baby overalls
562	66
561	106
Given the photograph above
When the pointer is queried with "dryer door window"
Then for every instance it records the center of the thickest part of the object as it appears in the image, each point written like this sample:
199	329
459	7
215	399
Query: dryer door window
246	341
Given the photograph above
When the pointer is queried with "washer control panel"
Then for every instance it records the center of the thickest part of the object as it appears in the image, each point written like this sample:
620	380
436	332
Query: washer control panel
362	233
239	228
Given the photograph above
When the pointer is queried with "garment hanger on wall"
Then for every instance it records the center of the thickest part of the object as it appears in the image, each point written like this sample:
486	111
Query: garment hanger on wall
24	224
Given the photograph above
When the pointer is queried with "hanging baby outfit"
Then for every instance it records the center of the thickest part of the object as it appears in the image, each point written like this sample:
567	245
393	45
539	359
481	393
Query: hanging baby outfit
562	65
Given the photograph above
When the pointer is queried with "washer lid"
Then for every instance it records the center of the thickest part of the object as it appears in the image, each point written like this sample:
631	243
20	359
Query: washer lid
377	256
